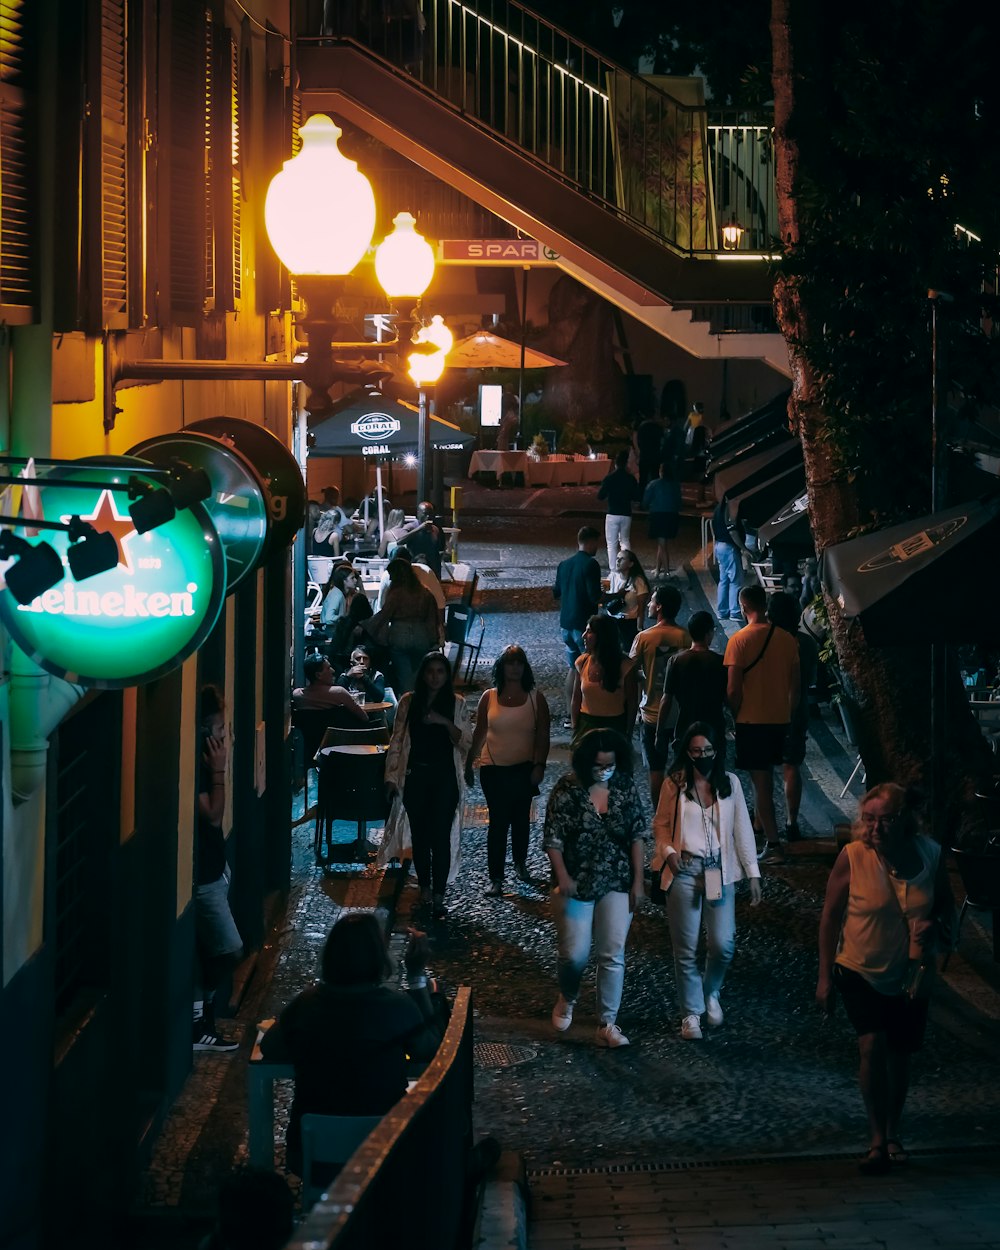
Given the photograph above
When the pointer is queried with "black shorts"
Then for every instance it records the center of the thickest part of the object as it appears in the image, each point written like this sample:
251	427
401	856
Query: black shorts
794	750
656	761
759	746
663	524
903	1020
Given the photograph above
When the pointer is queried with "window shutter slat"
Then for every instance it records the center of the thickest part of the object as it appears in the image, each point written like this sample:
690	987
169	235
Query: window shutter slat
114	177
18	243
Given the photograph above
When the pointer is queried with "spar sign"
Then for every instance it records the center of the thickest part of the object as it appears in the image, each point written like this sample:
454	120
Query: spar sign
138	620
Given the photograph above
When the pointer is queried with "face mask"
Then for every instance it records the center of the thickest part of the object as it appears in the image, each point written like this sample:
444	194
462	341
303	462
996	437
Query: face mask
602	774
703	763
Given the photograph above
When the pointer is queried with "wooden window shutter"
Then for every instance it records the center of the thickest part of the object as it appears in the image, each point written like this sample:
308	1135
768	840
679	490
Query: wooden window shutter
272	279
18	186
106	230
190	236
227	188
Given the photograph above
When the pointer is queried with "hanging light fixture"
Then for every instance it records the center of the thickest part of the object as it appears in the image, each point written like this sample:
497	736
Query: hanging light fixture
38	566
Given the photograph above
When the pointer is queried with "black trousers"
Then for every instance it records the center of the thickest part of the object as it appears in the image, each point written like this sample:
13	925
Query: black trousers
508	792
430	797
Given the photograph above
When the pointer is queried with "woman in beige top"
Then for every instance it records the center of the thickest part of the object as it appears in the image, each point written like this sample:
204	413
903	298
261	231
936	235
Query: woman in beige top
887	893
511	743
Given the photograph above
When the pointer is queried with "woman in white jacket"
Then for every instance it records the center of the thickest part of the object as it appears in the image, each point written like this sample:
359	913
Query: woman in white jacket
704	845
424	777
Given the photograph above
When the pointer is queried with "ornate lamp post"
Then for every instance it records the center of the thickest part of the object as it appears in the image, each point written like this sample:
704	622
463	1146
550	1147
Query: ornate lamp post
320	216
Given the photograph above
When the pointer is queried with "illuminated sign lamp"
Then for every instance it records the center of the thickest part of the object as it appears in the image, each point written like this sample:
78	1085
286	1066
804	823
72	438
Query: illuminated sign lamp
37	569
236	499
132	620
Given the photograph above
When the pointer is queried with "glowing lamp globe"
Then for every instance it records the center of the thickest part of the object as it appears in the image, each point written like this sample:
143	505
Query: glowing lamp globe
404	260
425	367
320	210
439	334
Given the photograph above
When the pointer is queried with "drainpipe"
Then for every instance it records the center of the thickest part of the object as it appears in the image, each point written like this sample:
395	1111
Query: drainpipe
38	703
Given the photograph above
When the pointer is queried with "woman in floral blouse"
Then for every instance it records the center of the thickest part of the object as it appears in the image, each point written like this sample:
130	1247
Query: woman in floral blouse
594	833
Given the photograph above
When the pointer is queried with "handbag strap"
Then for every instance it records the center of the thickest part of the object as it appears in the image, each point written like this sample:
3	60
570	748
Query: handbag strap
767	640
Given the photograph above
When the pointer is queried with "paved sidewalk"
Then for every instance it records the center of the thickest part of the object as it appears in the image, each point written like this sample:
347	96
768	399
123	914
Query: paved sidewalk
934	1203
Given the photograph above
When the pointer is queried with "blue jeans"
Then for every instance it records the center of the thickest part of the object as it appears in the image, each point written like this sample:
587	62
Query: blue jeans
573	640
687	910
730	579
606	922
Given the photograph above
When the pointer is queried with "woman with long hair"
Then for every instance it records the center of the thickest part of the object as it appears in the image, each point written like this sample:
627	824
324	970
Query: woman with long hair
511	743
395	531
410	619
351	1021
704	845
605	687
887	901
632	595
595	829
425	779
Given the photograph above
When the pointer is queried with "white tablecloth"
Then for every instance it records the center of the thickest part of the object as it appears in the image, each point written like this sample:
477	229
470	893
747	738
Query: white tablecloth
498	462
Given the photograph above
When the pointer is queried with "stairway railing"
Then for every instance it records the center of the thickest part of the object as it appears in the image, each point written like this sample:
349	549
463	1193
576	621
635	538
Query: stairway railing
613	135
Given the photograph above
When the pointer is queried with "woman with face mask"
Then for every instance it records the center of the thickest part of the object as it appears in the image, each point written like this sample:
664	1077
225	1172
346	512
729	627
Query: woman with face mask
704	845
595	828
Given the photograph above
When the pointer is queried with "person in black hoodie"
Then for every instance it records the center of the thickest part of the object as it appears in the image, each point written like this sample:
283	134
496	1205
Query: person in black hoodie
621	490
349	1022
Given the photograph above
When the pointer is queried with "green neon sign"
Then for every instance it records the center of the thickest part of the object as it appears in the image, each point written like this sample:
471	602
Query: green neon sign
136	621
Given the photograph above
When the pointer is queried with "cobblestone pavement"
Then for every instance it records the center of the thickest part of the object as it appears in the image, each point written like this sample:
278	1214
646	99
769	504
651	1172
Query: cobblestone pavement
777	1078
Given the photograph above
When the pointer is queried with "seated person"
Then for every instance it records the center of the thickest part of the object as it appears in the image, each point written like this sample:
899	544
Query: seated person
335	594
320	693
349	1036
426	541
331	524
396	529
362	675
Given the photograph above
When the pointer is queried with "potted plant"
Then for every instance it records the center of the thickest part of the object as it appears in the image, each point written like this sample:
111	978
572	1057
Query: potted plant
539	448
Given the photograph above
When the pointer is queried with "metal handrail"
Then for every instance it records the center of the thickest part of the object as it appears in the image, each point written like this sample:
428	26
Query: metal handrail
405	1181
616	137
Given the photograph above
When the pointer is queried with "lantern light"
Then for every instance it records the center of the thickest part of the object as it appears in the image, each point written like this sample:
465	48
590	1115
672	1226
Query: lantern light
732	234
404	260
320	209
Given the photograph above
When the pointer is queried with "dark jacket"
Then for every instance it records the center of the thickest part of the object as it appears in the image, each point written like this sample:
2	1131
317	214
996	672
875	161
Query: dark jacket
578	589
349	1046
621	490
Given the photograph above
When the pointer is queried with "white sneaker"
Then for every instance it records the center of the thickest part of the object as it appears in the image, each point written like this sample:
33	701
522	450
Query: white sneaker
562	1014
713	1012
691	1029
610	1035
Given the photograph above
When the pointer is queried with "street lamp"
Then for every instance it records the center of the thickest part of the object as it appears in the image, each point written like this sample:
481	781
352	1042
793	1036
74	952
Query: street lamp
425	364
320	216
732	235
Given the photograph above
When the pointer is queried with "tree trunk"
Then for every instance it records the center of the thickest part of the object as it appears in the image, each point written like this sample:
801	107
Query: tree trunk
887	689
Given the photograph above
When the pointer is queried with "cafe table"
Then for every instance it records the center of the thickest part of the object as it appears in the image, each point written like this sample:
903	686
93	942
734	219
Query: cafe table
498	462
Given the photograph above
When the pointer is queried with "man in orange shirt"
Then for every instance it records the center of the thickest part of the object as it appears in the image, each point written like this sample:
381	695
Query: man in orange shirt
762	687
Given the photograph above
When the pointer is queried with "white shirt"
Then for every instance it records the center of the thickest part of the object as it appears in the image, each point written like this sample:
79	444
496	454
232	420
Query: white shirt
425	577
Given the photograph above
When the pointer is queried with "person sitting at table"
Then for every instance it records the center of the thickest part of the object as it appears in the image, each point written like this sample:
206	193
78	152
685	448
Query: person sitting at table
349	1036
331	524
320	692
362	676
426	540
397	527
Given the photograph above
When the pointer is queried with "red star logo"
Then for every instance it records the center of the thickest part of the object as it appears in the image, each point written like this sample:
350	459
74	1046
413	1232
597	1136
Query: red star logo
106	519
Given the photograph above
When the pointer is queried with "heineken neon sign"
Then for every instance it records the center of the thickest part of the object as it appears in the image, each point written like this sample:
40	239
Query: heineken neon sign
139	619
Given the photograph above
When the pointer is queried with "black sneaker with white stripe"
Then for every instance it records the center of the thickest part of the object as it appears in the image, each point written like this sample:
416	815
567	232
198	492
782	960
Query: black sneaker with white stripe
205	1038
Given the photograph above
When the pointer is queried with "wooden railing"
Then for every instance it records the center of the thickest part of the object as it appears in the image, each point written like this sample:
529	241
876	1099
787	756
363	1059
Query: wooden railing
405	1184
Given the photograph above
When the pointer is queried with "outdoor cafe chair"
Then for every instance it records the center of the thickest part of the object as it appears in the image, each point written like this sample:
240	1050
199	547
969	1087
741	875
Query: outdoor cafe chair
351	788
328	1141
980	874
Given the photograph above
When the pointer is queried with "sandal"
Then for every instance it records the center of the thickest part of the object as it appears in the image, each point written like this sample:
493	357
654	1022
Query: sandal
875	1162
896	1150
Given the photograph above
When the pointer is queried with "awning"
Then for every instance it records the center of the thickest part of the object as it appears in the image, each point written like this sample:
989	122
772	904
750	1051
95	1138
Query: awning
754	507
921	581
368	423
790	526
739	478
747	430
